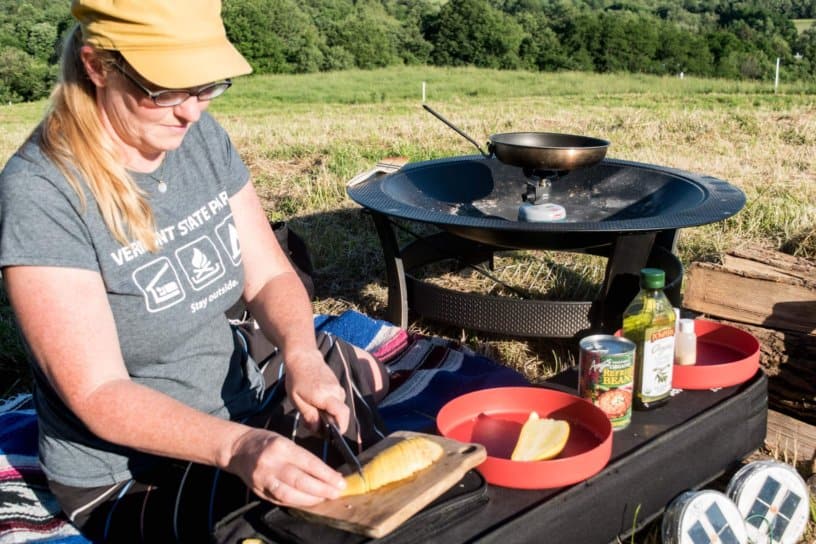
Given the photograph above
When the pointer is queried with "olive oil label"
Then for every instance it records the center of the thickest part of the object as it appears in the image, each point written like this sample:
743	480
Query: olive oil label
657	361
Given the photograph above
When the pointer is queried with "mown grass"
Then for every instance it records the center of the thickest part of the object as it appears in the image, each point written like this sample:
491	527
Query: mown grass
304	136
803	24
445	84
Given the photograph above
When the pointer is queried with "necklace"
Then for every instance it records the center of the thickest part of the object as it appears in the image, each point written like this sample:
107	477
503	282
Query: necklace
161	185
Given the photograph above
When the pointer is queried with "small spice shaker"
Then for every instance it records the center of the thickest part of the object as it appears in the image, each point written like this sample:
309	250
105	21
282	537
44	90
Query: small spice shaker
685	352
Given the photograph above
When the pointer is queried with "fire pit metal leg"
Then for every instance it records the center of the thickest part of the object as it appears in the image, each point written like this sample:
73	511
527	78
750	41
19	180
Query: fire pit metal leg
394	271
630	253
400	260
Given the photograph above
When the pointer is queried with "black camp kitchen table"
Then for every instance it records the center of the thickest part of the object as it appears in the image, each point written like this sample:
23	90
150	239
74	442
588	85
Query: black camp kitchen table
695	438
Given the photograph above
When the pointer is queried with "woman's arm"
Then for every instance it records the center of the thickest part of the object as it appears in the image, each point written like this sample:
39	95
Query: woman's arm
278	301
65	317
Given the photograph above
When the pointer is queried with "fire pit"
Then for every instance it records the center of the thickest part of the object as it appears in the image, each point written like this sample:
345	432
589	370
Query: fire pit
625	211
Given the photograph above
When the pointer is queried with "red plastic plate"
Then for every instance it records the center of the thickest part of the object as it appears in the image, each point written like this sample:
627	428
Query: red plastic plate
726	356
494	417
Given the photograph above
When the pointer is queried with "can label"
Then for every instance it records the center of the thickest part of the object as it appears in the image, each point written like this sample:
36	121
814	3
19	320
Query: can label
607	366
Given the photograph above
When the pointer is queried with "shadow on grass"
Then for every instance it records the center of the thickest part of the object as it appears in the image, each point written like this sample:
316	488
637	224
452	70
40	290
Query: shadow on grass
346	255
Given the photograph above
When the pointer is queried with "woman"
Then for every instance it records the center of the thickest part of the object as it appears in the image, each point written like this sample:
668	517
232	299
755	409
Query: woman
120	222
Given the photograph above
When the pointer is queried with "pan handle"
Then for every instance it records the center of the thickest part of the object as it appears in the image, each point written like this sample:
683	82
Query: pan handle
454	127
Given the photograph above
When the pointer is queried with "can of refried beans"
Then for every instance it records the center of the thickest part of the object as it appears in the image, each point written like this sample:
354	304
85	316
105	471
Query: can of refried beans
607	372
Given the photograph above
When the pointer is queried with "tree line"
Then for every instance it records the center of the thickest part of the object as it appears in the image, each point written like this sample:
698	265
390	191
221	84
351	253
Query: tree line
708	38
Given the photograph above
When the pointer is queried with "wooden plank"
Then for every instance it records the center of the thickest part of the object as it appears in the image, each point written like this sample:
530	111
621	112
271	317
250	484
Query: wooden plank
774	263
379	512
790	439
798	266
771	300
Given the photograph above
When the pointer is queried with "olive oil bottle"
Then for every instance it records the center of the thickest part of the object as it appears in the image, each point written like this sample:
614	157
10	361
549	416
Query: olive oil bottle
648	321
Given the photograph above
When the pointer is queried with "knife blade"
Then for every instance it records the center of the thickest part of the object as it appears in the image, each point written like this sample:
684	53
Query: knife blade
341	444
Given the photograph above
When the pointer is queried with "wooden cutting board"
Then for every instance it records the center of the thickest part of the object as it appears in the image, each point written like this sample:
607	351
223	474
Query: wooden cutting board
377	513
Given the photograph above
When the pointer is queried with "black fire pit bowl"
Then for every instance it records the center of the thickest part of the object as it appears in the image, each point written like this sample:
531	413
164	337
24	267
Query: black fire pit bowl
478	198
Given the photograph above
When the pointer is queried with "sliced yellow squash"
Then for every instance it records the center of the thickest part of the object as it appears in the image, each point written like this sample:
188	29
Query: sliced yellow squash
393	464
540	439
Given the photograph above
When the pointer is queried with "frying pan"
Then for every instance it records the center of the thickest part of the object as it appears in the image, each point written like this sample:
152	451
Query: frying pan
538	150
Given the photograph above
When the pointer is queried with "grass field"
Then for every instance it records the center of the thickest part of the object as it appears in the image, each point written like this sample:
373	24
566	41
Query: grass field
304	136
803	24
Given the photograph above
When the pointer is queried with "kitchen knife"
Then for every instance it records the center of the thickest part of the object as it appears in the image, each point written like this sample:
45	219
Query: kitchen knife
341	444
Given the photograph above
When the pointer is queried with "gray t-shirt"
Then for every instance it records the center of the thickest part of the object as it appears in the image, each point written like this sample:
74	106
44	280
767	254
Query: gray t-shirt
168	306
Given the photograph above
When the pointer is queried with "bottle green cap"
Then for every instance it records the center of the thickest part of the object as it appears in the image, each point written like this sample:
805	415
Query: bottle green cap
652	278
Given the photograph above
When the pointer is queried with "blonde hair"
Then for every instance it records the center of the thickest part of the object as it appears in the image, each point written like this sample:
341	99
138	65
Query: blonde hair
73	137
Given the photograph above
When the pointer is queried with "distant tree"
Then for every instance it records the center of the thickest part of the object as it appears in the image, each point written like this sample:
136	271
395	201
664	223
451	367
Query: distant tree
337	58
580	34
362	29
725	48
559	14
8	34
274	35
22	15
412	46
247	23
369	34
628	42
682	50
517	7
540	48
754	65
806	49
805	9
472	32
23	77
41	40
680	17
323	12
762	20
407	9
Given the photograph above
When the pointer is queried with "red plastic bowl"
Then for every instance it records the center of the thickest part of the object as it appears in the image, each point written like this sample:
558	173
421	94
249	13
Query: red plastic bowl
494	417
726	356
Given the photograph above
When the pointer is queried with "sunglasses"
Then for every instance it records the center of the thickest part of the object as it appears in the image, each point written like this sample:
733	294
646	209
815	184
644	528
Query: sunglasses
173	97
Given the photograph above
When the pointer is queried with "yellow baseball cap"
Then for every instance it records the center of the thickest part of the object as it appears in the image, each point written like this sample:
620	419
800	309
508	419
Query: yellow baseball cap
172	43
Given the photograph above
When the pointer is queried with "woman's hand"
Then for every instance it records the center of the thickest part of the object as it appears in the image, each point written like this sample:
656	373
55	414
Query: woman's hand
312	386
278	470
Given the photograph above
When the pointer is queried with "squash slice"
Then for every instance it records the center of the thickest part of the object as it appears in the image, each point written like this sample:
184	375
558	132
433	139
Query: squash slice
540	439
395	463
